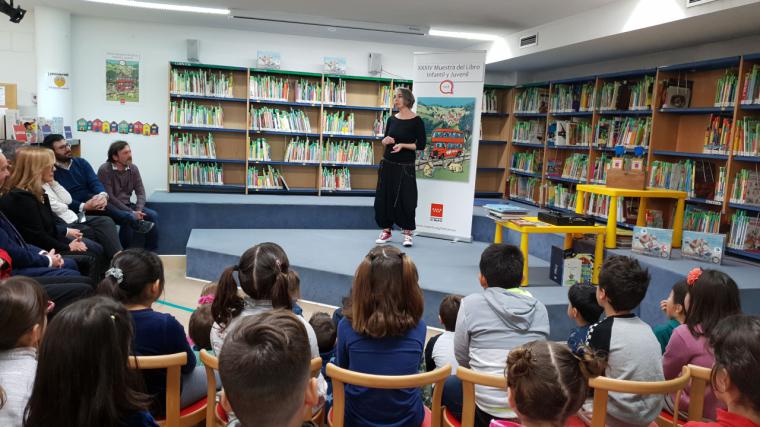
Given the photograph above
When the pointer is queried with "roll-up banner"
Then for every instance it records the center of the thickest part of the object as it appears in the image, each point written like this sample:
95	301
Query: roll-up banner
448	87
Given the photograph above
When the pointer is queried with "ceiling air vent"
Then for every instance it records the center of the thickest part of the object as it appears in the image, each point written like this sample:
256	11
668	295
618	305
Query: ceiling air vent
531	40
692	3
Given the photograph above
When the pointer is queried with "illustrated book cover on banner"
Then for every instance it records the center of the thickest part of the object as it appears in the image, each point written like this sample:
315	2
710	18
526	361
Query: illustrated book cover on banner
448	124
654	242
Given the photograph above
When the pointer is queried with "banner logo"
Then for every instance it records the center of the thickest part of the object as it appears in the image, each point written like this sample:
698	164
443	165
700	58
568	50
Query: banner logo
446	87
436	212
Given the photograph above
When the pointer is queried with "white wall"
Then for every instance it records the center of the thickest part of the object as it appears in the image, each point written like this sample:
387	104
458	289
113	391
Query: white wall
17	61
158	44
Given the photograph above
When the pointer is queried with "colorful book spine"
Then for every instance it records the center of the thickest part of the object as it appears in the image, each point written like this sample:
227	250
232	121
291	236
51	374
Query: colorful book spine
720	184
188	113
725	91
564	99
528	161
263	177
717	135
194	173
360	153
339	122
386	96
529	131
626	131
641	94
608	95
576	167
703	221
490	104
531	100
745	232
677	176
259	150
521	187
269	88
587	97
559	196
335	91
378	126
265	118
308	91
599	205
335	179
201	83
751	89
302	151
747	137
192	145
599	171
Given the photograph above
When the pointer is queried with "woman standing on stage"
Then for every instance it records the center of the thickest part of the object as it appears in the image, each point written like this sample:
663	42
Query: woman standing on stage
396	195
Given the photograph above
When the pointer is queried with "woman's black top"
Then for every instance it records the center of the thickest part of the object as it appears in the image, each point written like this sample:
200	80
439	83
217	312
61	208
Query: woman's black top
410	131
34	220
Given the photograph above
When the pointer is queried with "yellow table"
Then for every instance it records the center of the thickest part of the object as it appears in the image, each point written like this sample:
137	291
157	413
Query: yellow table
643	195
568	230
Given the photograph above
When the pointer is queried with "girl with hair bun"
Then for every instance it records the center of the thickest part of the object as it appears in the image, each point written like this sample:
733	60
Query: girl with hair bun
548	383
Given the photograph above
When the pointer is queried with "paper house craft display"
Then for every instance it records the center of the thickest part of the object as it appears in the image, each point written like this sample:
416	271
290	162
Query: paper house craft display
122	127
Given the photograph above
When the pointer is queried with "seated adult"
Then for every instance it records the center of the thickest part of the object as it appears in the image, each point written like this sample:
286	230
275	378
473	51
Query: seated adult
87	192
121	179
27	206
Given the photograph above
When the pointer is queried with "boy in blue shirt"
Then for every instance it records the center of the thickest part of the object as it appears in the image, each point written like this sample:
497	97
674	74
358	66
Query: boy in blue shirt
584	310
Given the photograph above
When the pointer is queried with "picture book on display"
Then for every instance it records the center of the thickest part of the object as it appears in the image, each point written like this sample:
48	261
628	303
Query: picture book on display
707	247
504	211
654	242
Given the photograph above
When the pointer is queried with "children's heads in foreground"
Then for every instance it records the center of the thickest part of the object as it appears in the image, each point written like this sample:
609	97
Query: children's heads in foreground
674	307
448	310
547	382
501	266
82	367
23	309
136	276
735	341
583	307
623	284
264	366
386	299
712	295
201	321
325	329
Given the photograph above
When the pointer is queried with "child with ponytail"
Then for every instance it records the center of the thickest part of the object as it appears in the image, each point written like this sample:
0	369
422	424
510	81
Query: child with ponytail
542	369
136	279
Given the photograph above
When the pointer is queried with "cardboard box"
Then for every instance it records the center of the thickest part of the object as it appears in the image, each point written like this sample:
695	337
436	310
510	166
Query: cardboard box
628	179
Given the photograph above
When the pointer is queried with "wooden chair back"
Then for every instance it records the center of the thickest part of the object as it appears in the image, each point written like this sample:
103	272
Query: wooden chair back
319	417
172	363
469	379
341	376
700	379
211	363
603	385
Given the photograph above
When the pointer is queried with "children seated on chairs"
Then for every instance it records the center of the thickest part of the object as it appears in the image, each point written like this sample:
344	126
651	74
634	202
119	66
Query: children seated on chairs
735	341
631	349
584	310
440	348
327	334
264	366
674	308
136	279
201	321
712	295
547	383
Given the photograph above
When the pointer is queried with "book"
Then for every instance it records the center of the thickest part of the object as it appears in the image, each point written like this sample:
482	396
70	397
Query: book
747	137
526	223
523	188
529	131
650	241
746	189
725	90
717	135
653	218
706	247
532	100
505	208
751	90
745	232
676	93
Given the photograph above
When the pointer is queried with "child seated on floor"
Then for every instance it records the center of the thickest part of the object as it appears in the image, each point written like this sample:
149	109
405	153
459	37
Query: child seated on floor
440	349
294	290
736	344
674	309
327	334
545	368
584	310
201	320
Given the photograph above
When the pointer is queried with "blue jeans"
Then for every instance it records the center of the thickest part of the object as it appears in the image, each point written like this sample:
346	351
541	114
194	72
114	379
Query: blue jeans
453	396
126	221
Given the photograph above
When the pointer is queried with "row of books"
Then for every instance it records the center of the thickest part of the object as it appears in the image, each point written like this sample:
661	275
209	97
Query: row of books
599	205
745	232
265	118
572	98
751	89
599	169
587	98
529	161
361	152
747	137
524	188
529	131
185	144
200	83
531	100
302	151
627	131
335	91
560	196
335	179
196	173
378	126
385	95
575	167
259	149
717	135
673	175
339	122
188	113
701	220
308	91
269	87
490	104
570	132
626	95
720	184
725	90
746	189
265	177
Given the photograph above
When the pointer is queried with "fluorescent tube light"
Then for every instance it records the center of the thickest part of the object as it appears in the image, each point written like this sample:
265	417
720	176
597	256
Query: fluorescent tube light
163	6
463	35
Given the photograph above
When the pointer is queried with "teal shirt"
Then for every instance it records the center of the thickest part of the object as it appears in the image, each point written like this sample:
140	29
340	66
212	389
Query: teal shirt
664	331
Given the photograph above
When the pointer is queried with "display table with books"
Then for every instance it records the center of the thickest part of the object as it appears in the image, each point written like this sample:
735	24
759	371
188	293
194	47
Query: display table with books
531	225
643	195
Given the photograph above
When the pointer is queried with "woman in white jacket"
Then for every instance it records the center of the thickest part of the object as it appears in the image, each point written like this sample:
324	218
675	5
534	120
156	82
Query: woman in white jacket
101	229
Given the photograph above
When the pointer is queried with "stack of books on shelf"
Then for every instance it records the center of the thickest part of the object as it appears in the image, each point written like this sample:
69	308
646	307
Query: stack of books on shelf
626	131
745	232
360	153
725	92
302	151
490	104
614	96
527	161
266	118
523	188
339	122
504	211
559	196
641	94
751	89
529	131
200	83
335	91
717	135
677	176
599	171
531	100
720	184
701	220
564	99
576	167
187	113
196	173
747	137
746	189
570	132
265	177
386	96
308	91
588	97
599	204
335	179
189	145
378	127
269	88
259	150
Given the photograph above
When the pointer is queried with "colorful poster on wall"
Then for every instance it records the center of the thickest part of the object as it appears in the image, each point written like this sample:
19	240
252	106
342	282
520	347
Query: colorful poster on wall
58	80
334	65
122	78
448	124
268	60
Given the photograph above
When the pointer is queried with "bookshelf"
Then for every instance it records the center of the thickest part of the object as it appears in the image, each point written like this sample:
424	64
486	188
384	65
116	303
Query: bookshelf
491	177
527	136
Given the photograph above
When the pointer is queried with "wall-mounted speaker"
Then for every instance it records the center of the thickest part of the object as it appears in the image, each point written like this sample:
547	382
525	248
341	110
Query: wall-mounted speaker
193	50
375	63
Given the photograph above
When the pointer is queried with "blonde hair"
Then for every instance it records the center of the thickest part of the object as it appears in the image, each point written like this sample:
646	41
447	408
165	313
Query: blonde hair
28	167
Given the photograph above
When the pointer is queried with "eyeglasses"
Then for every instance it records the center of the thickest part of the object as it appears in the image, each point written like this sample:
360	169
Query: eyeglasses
50	306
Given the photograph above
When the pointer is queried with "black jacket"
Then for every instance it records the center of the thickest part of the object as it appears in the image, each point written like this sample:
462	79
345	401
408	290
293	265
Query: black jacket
34	220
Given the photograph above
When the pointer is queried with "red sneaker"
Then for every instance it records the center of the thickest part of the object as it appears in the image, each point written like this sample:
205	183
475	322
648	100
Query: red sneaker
407	238
385	237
